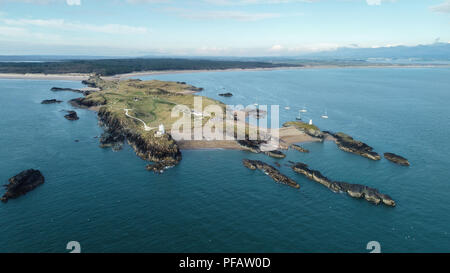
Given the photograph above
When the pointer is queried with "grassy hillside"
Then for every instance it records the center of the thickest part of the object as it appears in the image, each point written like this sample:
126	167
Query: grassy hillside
151	101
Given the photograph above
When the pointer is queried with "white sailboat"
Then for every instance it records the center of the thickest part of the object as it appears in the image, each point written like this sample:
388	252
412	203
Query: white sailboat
303	110
287	108
325	116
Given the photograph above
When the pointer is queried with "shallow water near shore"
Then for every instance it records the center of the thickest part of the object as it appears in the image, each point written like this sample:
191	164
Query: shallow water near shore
210	203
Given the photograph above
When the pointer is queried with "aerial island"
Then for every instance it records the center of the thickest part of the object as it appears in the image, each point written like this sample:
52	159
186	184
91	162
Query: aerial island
140	113
133	110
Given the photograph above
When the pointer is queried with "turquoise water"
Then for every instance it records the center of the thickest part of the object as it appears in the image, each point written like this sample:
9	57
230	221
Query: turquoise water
210	203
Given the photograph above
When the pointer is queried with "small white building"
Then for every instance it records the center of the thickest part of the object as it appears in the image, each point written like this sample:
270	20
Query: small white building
161	130
310	122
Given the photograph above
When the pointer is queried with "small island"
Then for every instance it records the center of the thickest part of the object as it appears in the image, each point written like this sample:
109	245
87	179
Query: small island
51	101
299	148
22	183
132	110
270	171
397	159
275	154
72	115
348	144
139	112
228	94
354	190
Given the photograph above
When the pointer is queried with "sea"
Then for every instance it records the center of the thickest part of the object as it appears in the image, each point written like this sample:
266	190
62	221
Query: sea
107	202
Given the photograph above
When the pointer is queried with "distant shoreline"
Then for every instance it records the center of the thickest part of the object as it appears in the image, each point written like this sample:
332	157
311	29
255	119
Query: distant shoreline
81	77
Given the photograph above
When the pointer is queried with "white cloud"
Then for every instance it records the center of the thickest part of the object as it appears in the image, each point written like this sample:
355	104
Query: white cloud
233	15
147	1
443	8
276	48
73	2
373	2
44	2
249	2
75	26
377	2
221	15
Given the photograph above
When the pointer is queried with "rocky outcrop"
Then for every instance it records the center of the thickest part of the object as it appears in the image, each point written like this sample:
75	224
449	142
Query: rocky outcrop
87	102
84	92
275	154
299	148
196	89
354	190
112	139
22	183
308	129
397	159
251	145
160	167
94	81
72	115
59	89
148	147
52	101
348	144
226	95
270	171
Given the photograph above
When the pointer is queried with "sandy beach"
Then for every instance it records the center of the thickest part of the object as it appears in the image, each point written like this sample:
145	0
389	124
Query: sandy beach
80	77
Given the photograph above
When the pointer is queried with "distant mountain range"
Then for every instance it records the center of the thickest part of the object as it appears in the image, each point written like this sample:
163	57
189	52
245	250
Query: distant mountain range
433	52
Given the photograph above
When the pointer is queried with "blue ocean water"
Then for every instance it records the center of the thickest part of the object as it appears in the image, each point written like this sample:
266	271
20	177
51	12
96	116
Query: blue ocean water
210	203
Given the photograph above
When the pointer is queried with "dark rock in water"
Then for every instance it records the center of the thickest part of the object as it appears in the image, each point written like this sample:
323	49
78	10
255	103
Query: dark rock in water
277	164
76	140
275	154
84	92
251	145
22	183
59	89
160	167
270	171
354	190
87	102
196	89
51	101
299	148
348	144
72	115
397	159
226	95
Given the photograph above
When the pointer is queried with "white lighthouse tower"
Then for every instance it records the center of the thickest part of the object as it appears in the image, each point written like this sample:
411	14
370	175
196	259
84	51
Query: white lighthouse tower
310	122
161	130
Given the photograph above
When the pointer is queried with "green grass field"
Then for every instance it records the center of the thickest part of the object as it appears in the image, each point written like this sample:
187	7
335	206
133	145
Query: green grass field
150	101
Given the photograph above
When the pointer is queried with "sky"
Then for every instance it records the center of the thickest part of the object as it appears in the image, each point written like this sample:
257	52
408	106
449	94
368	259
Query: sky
216	27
